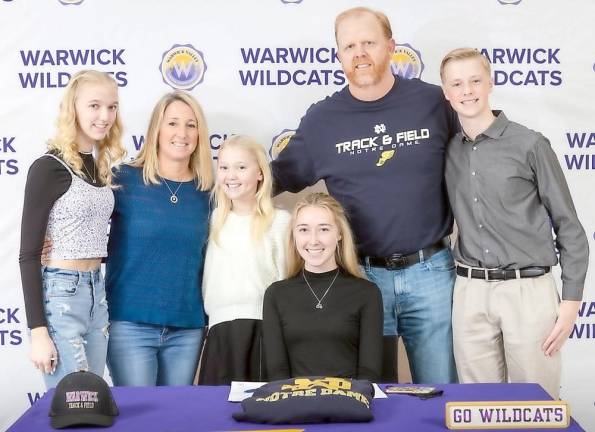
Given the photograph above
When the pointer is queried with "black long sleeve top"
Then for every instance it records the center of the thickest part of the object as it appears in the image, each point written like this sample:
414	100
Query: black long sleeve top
47	181
342	339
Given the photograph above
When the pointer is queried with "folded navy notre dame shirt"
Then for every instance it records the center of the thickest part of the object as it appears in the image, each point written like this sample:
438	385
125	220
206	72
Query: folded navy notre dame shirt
309	400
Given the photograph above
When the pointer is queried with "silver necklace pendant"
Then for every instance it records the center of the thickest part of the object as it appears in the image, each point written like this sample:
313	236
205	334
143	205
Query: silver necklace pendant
174	197
319	300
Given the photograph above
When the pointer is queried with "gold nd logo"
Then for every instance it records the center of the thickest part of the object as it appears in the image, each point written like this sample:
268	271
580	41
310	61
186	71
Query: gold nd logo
386	155
327	383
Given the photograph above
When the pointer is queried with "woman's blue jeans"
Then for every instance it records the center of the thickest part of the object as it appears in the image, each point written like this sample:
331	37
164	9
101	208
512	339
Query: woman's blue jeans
77	318
148	355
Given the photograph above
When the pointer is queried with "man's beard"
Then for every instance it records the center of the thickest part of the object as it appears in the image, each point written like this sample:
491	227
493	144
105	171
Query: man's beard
372	76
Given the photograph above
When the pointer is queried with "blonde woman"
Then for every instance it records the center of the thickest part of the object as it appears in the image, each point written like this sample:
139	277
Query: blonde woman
68	197
246	253
325	319
158	234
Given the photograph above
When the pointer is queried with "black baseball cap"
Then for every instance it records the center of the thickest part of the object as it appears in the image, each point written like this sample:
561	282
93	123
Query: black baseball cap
82	398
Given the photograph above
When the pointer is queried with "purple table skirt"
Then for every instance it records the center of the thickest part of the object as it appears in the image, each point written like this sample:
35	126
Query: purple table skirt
203	408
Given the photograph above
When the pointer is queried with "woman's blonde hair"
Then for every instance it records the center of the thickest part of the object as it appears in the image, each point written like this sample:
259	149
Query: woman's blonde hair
200	160
109	150
264	209
345	253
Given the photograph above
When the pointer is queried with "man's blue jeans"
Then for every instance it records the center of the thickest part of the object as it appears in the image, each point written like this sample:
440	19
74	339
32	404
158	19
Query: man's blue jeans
417	306
149	355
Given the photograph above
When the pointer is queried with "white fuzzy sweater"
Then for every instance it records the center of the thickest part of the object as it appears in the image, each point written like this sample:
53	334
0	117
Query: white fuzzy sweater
237	271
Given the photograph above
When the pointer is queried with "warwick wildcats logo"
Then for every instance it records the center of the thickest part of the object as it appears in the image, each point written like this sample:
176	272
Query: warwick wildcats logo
280	142
406	62
182	67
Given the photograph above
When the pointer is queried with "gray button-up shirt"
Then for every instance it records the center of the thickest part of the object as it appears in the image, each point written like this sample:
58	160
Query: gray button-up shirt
507	192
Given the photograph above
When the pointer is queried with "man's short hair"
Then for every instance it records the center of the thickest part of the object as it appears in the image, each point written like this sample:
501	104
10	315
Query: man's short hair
381	17
463	54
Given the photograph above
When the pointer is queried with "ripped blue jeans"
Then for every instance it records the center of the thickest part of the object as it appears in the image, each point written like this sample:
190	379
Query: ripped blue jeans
76	312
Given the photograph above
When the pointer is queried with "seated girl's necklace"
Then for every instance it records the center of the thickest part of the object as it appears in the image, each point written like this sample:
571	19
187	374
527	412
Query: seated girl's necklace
319	304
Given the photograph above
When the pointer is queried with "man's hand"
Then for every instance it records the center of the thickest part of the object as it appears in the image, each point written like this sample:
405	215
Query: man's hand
563	327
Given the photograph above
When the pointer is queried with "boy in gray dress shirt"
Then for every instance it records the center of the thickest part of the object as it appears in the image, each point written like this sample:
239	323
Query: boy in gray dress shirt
508	192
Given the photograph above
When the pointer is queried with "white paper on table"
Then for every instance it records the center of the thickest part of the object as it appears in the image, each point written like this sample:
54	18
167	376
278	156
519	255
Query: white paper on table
378	394
241	390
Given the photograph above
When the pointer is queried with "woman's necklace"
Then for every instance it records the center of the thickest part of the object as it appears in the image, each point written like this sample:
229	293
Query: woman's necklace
174	194
319	304
92	177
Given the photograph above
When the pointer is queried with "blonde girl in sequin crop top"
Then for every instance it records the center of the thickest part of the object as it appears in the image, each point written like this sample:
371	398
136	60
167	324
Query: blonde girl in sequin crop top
68	198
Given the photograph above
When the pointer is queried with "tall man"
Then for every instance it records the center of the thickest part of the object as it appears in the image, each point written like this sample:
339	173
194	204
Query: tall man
379	144
508	192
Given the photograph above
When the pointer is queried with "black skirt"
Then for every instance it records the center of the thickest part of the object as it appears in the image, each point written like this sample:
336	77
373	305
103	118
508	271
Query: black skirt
233	351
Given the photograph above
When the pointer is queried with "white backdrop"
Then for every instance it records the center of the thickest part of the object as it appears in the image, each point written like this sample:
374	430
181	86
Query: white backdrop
256	66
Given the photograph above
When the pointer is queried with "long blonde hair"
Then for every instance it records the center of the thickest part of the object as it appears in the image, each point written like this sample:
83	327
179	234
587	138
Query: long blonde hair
200	161
264	209
345	253
109	150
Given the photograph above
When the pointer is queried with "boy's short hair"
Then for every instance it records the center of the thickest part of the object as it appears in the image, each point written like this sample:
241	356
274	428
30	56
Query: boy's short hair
463	54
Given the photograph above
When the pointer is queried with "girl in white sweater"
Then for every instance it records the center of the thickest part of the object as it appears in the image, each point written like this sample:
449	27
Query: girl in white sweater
245	254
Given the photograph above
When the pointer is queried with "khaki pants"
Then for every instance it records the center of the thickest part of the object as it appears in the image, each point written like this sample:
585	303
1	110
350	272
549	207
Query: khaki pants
499	328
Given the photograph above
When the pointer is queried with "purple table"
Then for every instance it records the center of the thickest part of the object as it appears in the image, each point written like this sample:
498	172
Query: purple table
202	408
